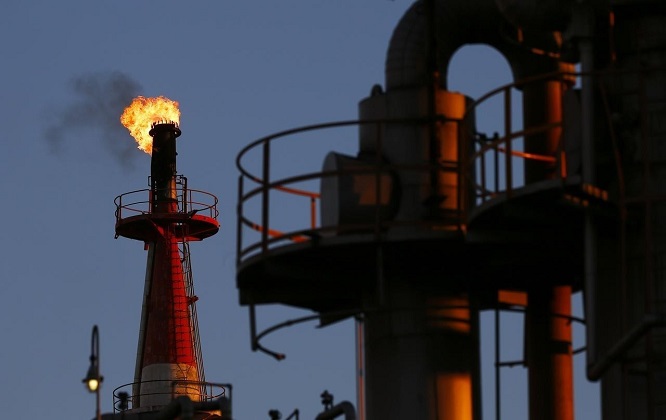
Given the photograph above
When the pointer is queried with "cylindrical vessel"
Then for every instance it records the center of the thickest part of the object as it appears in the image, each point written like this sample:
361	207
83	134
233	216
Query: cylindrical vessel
422	357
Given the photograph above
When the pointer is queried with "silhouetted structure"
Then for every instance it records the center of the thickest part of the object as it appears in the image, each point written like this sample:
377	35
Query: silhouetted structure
431	222
169	376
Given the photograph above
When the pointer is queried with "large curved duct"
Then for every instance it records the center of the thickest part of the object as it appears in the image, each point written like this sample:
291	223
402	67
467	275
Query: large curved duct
457	23
545	14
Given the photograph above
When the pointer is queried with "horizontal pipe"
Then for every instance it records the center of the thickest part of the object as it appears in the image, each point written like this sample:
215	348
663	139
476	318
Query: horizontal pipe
596	370
344	407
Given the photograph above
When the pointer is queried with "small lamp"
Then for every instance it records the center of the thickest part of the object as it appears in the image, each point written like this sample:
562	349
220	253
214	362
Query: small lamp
93	379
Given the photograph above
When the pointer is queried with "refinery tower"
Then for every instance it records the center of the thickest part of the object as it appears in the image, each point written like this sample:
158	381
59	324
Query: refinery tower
166	217
431	223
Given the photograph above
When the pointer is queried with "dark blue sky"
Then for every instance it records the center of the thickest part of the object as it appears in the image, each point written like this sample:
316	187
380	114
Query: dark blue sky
240	70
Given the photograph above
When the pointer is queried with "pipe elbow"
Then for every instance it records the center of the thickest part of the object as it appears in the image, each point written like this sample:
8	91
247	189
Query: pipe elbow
344	408
456	23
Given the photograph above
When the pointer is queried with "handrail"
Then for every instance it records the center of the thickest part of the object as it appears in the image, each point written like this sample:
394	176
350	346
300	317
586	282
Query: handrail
303	129
502	144
272	232
526	81
495	145
490	145
209	391
294	191
467	168
263	185
189	201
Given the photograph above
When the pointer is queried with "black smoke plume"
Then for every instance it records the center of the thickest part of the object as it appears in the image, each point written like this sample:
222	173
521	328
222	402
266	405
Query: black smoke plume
99	100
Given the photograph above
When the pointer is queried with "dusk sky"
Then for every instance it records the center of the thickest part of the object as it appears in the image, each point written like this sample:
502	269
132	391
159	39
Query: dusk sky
240	70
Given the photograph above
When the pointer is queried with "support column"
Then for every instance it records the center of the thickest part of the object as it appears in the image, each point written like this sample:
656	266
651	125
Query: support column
422	357
549	353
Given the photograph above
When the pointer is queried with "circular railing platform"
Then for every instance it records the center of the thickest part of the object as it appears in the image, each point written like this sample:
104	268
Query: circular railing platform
194	217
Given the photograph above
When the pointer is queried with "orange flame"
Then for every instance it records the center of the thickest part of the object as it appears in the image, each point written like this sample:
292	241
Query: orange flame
143	112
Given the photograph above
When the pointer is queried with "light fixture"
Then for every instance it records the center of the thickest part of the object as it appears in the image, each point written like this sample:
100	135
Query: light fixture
93	379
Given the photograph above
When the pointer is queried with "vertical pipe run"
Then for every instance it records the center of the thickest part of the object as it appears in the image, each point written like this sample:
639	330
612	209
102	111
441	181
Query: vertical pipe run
360	371
509	144
542	106
451	107
265	195
498	378
549	353
239	223
586	48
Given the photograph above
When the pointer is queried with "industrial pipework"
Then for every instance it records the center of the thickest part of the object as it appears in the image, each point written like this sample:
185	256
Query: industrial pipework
431	222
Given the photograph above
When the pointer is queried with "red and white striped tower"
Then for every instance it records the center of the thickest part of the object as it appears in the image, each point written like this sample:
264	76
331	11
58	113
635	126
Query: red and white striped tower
168	358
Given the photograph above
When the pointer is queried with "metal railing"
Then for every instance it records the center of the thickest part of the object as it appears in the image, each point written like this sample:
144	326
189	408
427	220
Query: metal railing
123	399
262	185
139	202
488	168
490	154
